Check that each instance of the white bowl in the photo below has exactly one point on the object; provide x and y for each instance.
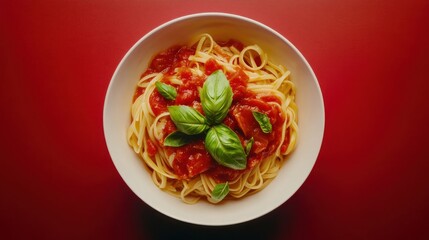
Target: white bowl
(221, 26)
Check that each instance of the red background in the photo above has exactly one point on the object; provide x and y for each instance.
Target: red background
(370, 180)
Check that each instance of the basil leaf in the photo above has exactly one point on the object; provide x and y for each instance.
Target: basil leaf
(167, 91)
(225, 147)
(177, 139)
(220, 191)
(263, 120)
(216, 97)
(188, 120)
(249, 145)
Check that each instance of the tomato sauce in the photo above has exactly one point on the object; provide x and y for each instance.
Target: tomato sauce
(193, 159)
(211, 65)
(238, 83)
(151, 148)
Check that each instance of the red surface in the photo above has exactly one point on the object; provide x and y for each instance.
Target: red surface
(371, 177)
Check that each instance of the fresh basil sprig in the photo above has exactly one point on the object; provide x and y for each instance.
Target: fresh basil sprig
(177, 139)
(187, 119)
(221, 142)
(225, 147)
(167, 91)
(216, 97)
(263, 120)
(220, 191)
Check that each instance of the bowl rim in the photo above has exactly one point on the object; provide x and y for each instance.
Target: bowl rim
(230, 16)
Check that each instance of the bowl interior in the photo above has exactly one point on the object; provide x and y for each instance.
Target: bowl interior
(222, 27)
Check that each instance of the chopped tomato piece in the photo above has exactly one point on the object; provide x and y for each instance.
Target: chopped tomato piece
(245, 120)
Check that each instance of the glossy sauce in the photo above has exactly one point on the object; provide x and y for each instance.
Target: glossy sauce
(193, 159)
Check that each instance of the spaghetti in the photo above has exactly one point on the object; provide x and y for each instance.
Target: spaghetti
(189, 171)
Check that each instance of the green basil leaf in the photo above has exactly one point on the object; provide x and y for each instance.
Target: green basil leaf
(167, 91)
(188, 120)
(216, 97)
(249, 145)
(225, 147)
(220, 191)
(177, 139)
(264, 121)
